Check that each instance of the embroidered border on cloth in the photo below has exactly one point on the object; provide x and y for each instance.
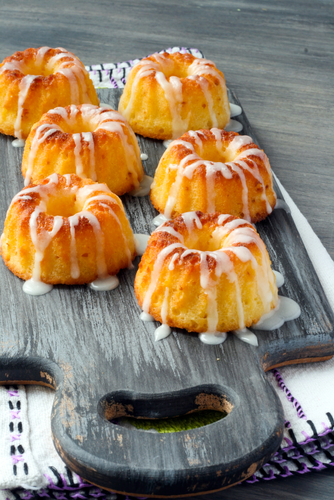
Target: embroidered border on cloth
(113, 75)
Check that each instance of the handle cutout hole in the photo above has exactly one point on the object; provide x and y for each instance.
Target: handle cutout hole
(168, 412)
(172, 424)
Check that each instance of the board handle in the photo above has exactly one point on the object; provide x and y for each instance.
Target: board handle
(205, 459)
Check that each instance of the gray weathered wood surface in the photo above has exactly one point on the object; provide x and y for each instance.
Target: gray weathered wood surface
(82, 343)
(277, 56)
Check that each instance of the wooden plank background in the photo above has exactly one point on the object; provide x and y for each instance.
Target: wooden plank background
(277, 57)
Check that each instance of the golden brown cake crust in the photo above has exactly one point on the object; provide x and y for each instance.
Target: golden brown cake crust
(75, 228)
(36, 80)
(167, 94)
(206, 272)
(214, 171)
(94, 142)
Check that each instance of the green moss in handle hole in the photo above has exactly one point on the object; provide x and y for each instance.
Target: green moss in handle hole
(175, 424)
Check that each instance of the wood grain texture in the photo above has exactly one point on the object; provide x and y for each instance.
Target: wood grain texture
(277, 56)
(82, 343)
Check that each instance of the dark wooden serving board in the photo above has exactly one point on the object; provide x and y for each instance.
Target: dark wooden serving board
(103, 362)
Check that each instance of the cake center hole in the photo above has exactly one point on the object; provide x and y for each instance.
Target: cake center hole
(77, 126)
(214, 153)
(205, 240)
(35, 69)
(63, 204)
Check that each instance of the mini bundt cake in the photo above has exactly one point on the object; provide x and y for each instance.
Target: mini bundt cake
(92, 142)
(167, 94)
(36, 80)
(206, 273)
(214, 171)
(66, 230)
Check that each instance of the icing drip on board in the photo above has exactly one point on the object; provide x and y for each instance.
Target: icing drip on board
(279, 279)
(102, 285)
(32, 287)
(18, 143)
(246, 336)
(141, 242)
(212, 338)
(286, 310)
(162, 332)
(235, 110)
(159, 219)
(281, 204)
(233, 126)
(146, 317)
(143, 188)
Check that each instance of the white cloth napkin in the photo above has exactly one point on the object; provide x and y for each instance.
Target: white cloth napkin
(29, 461)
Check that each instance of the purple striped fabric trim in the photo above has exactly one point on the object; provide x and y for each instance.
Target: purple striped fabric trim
(290, 397)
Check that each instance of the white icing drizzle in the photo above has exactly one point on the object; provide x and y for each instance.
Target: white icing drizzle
(159, 219)
(32, 287)
(41, 238)
(246, 336)
(18, 143)
(75, 270)
(146, 317)
(171, 265)
(164, 307)
(88, 138)
(143, 156)
(235, 110)
(191, 220)
(112, 121)
(167, 142)
(41, 133)
(101, 119)
(101, 198)
(233, 126)
(204, 84)
(283, 205)
(212, 338)
(40, 54)
(173, 87)
(25, 85)
(196, 137)
(202, 67)
(141, 242)
(279, 279)
(235, 237)
(162, 332)
(286, 310)
(144, 187)
(173, 94)
(190, 162)
(103, 285)
(71, 68)
(170, 230)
